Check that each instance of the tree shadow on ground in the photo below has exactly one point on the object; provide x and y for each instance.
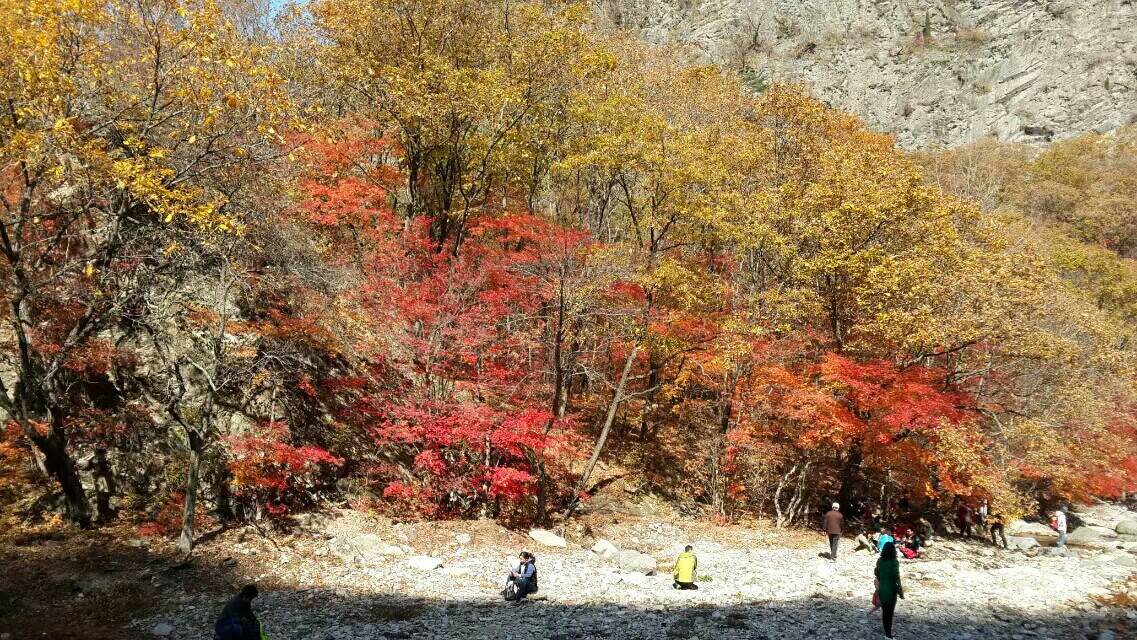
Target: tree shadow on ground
(126, 590)
(337, 615)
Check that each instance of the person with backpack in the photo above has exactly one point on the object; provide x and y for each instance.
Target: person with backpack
(523, 581)
(1058, 522)
(237, 620)
(685, 568)
(833, 525)
(888, 587)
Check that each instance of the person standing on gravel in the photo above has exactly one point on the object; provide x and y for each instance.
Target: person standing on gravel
(888, 585)
(996, 521)
(833, 525)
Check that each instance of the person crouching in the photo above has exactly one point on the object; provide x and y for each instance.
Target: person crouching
(525, 577)
(685, 568)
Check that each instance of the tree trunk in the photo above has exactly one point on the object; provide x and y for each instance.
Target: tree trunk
(60, 465)
(104, 487)
(185, 541)
(849, 474)
(617, 398)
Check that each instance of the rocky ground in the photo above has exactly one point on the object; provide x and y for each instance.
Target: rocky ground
(350, 577)
(347, 576)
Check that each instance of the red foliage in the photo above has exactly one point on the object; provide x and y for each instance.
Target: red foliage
(273, 473)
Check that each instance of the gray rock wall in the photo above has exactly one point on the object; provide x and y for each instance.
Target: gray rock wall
(1017, 70)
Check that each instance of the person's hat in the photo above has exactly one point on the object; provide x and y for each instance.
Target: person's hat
(836, 506)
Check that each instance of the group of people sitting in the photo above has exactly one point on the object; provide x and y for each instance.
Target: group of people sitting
(907, 540)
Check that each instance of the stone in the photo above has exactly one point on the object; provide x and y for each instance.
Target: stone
(1057, 552)
(455, 572)
(366, 548)
(1092, 536)
(424, 563)
(1107, 635)
(605, 549)
(547, 538)
(1032, 529)
(629, 560)
(462, 538)
(162, 630)
(1126, 527)
(1021, 542)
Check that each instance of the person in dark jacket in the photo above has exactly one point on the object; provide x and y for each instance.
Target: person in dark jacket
(833, 525)
(525, 576)
(888, 585)
(237, 620)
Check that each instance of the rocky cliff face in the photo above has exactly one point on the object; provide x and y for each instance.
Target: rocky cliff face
(930, 71)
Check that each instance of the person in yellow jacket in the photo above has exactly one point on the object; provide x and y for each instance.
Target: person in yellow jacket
(685, 567)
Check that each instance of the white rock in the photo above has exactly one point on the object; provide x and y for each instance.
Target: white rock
(604, 549)
(455, 572)
(629, 560)
(424, 563)
(547, 538)
(162, 630)
(462, 538)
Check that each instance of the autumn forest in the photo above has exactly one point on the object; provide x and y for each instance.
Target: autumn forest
(467, 258)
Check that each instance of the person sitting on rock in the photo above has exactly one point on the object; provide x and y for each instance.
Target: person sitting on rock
(237, 620)
(525, 577)
(866, 539)
(909, 545)
(685, 568)
(884, 538)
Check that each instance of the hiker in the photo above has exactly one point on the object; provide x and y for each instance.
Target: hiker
(525, 578)
(966, 517)
(996, 521)
(685, 568)
(237, 621)
(833, 524)
(884, 538)
(1059, 524)
(888, 585)
(865, 540)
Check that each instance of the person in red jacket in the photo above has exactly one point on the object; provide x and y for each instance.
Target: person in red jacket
(833, 525)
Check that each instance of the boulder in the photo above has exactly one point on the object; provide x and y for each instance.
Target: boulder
(365, 548)
(424, 563)
(1126, 527)
(1032, 529)
(162, 630)
(1057, 552)
(462, 538)
(629, 560)
(1093, 536)
(605, 549)
(547, 538)
(1022, 542)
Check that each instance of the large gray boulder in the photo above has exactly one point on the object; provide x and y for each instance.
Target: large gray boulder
(1094, 537)
(1022, 542)
(362, 549)
(547, 538)
(1126, 527)
(1032, 529)
(629, 560)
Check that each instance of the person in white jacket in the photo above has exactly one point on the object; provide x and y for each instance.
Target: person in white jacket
(1060, 525)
